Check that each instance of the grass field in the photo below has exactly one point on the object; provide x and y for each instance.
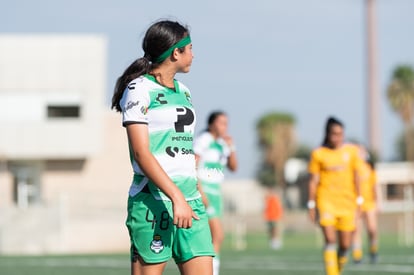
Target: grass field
(301, 254)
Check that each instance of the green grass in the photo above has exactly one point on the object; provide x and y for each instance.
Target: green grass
(301, 254)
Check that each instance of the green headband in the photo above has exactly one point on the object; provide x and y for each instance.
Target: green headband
(182, 43)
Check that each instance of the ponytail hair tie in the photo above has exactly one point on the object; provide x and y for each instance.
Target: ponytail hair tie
(147, 58)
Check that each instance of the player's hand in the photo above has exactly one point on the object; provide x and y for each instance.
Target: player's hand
(312, 215)
(183, 214)
(228, 139)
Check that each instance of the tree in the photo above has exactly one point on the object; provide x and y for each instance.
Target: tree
(303, 151)
(277, 141)
(401, 145)
(400, 95)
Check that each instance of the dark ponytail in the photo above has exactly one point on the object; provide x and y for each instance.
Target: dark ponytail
(138, 67)
(158, 38)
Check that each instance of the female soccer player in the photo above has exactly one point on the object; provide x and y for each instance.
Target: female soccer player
(166, 215)
(369, 211)
(214, 150)
(334, 193)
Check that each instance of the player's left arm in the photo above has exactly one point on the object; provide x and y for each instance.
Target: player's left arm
(232, 158)
(357, 168)
(375, 190)
(374, 186)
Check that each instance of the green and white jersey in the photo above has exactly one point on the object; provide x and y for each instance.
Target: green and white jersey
(213, 155)
(171, 119)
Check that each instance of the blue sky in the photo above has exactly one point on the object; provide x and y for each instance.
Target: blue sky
(306, 57)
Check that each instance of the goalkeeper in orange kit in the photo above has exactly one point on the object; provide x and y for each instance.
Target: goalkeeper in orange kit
(273, 212)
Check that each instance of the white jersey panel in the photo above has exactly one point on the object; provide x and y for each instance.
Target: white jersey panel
(135, 101)
(176, 168)
(171, 120)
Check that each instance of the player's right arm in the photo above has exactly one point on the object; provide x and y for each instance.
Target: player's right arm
(139, 139)
(314, 170)
(374, 189)
(313, 183)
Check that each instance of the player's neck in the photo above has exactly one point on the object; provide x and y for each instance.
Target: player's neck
(215, 135)
(164, 77)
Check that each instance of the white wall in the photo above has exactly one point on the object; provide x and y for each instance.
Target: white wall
(38, 70)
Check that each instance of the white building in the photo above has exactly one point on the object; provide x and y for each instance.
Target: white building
(396, 197)
(56, 147)
(52, 94)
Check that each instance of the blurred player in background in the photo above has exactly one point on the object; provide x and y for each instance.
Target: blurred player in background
(334, 193)
(214, 150)
(273, 212)
(368, 214)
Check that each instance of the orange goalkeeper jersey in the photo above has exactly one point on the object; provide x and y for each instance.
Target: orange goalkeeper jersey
(336, 169)
(273, 208)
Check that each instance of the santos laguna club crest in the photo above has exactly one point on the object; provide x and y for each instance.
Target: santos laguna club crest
(156, 244)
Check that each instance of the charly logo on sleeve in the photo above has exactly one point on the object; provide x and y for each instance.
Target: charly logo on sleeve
(131, 86)
(157, 246)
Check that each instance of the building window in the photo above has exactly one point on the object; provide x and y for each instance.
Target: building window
(395, 191)
(63, 111)
(26, 184)
(68, 165)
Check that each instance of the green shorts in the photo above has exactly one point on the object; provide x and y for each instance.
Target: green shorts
(154, 237)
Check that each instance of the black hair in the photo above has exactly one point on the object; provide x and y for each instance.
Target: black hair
(331, 121)
(371, 163)
(213, 116)
(159, 37)
(370, 160)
